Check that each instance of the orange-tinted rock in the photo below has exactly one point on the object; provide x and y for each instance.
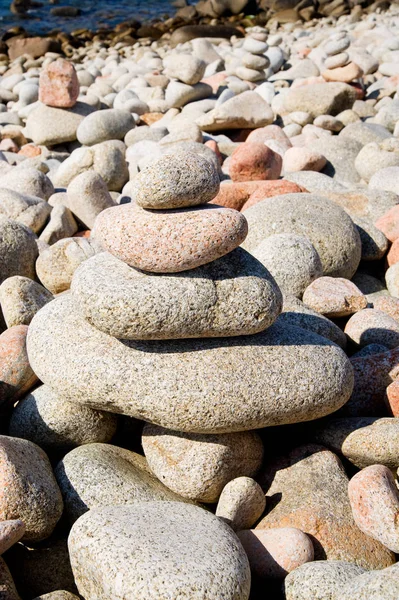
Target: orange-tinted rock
(34, 46)
(373, 374)
(83, 234)
(308, 489)
(253, 161)
(269, 132)
(150, 118)
(30, 150)
(59, 85)
(393, 254)
(392, 398)
(16, 375)
(334, 297)
(389, 223)
(388, 305)
(213, 146)
(344, 74)
(216, 80)
(169, 241)
(374, 499)
(241, 195)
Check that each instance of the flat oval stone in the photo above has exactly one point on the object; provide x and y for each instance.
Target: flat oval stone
(176, 180)
(158, 550)
(281, 375)
(234, 295)
(169, 241)
(326, 225)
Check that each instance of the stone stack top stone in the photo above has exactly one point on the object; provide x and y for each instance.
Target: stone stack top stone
(177, 180)
(59, 85)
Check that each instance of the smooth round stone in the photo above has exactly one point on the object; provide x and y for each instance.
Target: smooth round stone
(57, 264)
(184, 67)
(10, 533)
(58, 595)
(345, 74)
(176, 180)
(169, 241)
(337, 60)
(372, 326)
(254, 161)
(382, 584)
(16, 375)
(326, 225)
(103, 125)
(29, 491)
(334, 297)
(28, 181)
(274, 553)
(197, 466)
(297, 314)
(392, 280)
(336, 46)
(302, 159)
(158, 549)
(241, 503)
(49, 126)
(28, 210)
(374, 242)
(291, 259)
(328, 123)
(87, 196)
(55, 425)
(374, 499)
(208, 385)
(21, 298)
(364, 441)
(388, 305)
(129, 304)
(96, 475)
(18, 249)
(320, 580)
(59, 85)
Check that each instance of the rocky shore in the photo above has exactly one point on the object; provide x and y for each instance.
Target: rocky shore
(199, 325)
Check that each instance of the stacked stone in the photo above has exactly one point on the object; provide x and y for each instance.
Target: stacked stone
(174, 324)
(338, 66)
(253, 61)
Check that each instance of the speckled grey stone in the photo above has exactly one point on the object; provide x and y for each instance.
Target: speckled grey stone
(199, 466)
(103, 125)
(247, 110)
(374, 242)
(234, 295)
(320, 99)
(314, 182)
(372, 326)
(241, 503)
(21, 298)
(61, 225)
(88, 195)
(102, 475)
(55, 425)
(392, 280)
(159, 550)
(28, 181)
(214, 385)
(341, 154)
(291, 259)
(56, 265)
(375, 585)
(184, 67)
(18, 249)
(58, 595)
(370, 286)
(376, 156)
(369, 350)
(308, 489)
(196, 148)
(326, 225)
(296, 314)
(8, 590)
(362, 440)
(48, 125)
(28, 489)
(28, 210)
(320, 580)
(10, 533)
(175, 181)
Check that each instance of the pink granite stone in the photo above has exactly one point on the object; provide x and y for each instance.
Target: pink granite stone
(374, 500)
(10, 533)
(253, 161)
(59, 85)
(169, 241)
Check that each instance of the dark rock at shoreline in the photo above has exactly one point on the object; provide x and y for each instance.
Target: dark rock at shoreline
(189, 32)
(35, 46)
(65, 11)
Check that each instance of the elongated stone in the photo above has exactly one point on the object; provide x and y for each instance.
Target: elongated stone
(282, 375)
(169, 241)
(234, 295)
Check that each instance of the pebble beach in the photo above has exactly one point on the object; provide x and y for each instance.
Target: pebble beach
(199, 306)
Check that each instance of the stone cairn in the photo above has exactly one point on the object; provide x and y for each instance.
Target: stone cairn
(174, 324)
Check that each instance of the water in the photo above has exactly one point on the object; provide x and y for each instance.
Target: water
(95, 14)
